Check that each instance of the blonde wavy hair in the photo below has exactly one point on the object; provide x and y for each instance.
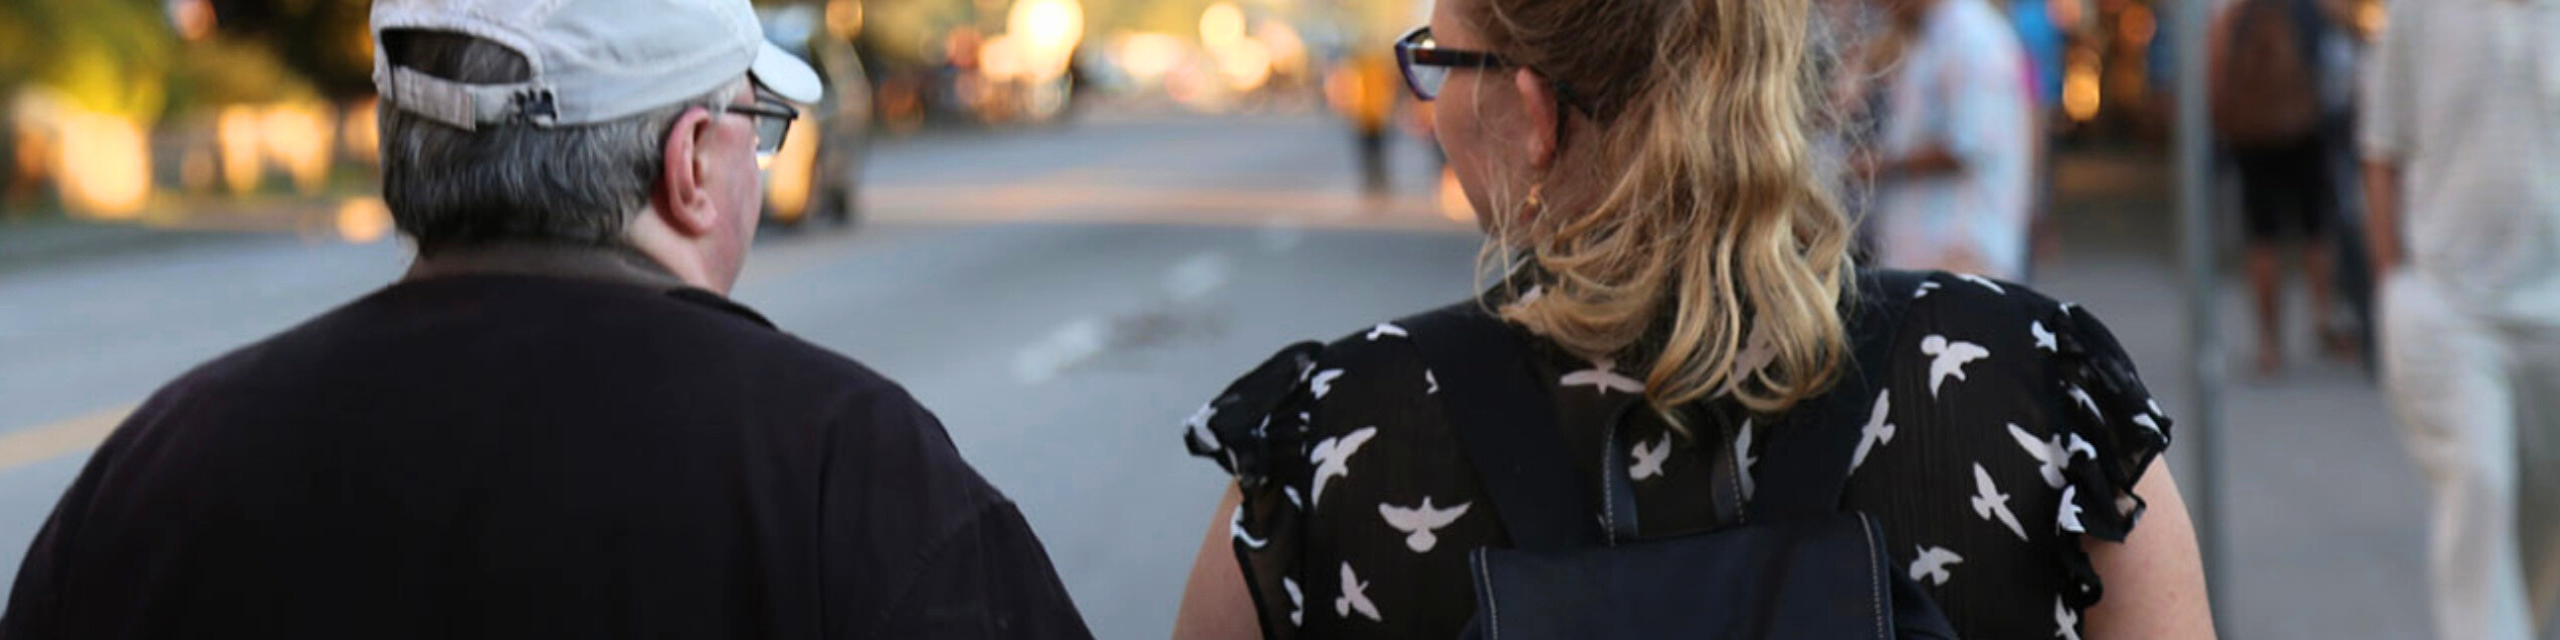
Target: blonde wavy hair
(1707, 195)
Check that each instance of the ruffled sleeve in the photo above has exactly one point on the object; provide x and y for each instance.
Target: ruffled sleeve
(2116, 432)
(1237, 428)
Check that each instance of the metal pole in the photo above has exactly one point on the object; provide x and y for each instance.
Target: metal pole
(2203, 420)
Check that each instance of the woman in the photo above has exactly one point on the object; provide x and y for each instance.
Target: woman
(1645, 166)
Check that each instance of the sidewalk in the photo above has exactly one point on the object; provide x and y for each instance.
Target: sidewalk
(47, 240)
(2323, 507)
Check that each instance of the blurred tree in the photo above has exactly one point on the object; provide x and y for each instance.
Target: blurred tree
(105, 56)
(110, 56)
(326, 41)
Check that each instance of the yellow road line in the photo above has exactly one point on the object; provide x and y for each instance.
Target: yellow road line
(46, 442)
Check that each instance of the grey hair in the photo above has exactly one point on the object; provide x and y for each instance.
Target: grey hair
(576, 185)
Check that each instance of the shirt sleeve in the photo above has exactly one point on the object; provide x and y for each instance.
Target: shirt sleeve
(2107, 410)
(916, 544)
(2384, 127)
(990, 579)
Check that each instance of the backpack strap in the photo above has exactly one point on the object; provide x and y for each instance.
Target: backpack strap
(1507, 422)
(1807, 464)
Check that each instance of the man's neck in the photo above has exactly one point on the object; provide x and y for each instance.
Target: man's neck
(621, 265)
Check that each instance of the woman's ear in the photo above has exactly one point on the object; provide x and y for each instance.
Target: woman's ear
(1538, 112)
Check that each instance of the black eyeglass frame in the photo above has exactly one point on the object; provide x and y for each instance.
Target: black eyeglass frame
(1417, 48)
(771, 119)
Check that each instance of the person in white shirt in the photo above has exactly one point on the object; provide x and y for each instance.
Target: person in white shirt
(2461, 139)
(1956, 157)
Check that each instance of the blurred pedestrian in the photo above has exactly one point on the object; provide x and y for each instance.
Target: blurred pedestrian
(2461, 137)
(556, 425)
(1678, 287)
(1363, 90)
(2267, 70)
(1956, 157)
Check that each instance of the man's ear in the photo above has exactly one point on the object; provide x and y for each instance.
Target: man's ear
(682, 199)
(1538, 113)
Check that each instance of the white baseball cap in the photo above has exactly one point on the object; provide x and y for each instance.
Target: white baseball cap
(592, 60)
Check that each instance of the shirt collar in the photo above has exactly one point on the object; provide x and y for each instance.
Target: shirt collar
(606, 264)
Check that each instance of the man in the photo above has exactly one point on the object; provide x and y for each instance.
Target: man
(2269, 91)
(2461, 137)
(556, 425)
(1956, 154)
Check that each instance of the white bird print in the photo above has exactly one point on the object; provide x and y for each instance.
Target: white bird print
(2068, 620)
(2081, 396)
(1877, 431)
(1323, 382)
(1989, 502)
(1429, 379)
(1925, 288)
(1419, 522)
(1649, 459)
(2147, 423)
(1354, 597)
(1603, 376)
(1332, 457)
(1297, 601)
(2050, 454)
(1985, 282)
(1932, 565)
(1292, 492)
(2044, 338)
(1743, 460)
(1198, 423)
(1535, 292)
(1386, 329)
(2155, 407)
(2070, 518)
(1236, 526)
(1951, 357)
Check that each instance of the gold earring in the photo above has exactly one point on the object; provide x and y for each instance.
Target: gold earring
(1537, 197)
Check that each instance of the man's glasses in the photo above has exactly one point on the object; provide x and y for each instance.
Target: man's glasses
(1426, 66)
(772, 119)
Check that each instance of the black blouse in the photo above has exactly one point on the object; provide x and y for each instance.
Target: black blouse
(2010, 426)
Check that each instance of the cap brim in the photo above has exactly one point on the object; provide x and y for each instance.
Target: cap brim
(786, 75)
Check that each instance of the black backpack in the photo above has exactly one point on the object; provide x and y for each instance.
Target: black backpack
(1797, 567)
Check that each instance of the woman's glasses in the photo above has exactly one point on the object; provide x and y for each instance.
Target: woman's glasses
(1426, 66)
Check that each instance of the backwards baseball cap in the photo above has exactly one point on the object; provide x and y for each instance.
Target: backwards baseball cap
(592, 60)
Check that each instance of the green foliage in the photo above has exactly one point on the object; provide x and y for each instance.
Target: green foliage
(112, 56)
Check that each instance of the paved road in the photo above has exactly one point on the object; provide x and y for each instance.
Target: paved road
(1064, 298)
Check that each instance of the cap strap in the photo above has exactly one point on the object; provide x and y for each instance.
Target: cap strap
(466, 106)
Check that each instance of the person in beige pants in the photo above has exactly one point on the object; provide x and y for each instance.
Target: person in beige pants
(2461, 136)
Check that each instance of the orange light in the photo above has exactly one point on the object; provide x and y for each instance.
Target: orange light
(1246, 64)
(296, 136)
(2138, 26)
(1221, 25)
(792, 171)
(106, 164)
(364, 220)
(1148, 56)
(236, 132)
(361, 132)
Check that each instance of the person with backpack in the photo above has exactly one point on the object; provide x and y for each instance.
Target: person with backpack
(1680, 410)
(2267, 85)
